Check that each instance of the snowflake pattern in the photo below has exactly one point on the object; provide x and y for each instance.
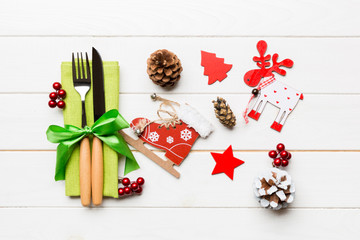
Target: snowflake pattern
(154, 136)
(185, 134)
(170, 139)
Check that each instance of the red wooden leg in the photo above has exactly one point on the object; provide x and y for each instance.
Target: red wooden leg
(276, 126)
(254, 115)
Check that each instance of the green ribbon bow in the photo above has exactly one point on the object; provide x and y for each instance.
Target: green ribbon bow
(105, 128)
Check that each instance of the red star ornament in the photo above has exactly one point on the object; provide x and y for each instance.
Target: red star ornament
(226, 162)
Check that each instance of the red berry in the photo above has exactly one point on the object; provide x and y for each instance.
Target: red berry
(62, 93)
(61, 104)
(140, 181)
(284, 163)
(284, 154)
(277, 162)
(134, 186)
(53, 96)
(289, 156)
(139, 190)
(280, 147)
(52, 103)
(127, 190)
(273, 154)
(57, 86)
(121, 191)
(125, 181)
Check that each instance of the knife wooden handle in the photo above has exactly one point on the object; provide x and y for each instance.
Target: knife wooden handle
(85, 172)
(97, 171)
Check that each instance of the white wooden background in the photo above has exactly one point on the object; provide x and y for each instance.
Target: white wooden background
(323, 133)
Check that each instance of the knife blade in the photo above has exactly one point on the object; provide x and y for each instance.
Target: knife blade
(98, 85)
(99, 110)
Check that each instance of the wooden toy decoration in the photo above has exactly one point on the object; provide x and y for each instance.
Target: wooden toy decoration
(214, 67)
(269, 89)
(175, 134)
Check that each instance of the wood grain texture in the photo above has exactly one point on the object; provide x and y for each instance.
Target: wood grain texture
(321, 37)
(97, 171)
(85, 172)
(323, 180)
(190, 18)
(321, 65)
(160, 223)
(319, 122)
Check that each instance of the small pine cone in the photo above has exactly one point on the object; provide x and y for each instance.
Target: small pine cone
(164, 68)
(223, 112)
(274, 189)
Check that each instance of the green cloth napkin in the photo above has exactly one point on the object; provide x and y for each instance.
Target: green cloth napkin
(72, 115)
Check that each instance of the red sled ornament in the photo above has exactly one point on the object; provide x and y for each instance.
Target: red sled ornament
(175, 134)
(215, 68)
(269, 89)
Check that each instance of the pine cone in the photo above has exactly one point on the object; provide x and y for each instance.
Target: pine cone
(224, 113)
(164, 68)
(274, 189)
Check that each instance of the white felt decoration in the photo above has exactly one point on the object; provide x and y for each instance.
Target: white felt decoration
(195, 120)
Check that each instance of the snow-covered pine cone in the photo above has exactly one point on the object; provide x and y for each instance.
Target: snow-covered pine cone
(274, 189)
(164, 68)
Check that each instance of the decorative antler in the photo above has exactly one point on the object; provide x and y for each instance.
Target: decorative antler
(253, 77)
(262, 61)
(275, 67)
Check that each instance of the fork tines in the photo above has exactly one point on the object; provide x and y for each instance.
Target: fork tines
(79, 77)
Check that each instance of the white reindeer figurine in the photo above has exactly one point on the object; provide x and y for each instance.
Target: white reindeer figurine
(271, 90)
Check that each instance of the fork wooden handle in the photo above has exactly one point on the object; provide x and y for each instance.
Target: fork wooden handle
(97, 171)
(85, 172)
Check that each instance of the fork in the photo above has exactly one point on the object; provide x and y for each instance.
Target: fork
(82, 86)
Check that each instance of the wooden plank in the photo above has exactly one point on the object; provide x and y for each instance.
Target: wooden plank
(163, 223)
(321, 65)
(190, 18)
(323, 180)
(319, 122)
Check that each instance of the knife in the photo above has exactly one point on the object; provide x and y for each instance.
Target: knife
(99, 110)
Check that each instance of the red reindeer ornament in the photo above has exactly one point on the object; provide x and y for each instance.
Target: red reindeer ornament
(269, 89)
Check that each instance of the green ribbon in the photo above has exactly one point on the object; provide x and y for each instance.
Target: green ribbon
(105, 128)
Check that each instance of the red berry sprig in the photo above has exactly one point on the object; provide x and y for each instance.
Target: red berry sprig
(57, 97)
(280, 155)
(130, 187)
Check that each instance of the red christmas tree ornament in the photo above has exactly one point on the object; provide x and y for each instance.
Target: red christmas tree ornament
(268, 89)
(226, 162)
(214, 67)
